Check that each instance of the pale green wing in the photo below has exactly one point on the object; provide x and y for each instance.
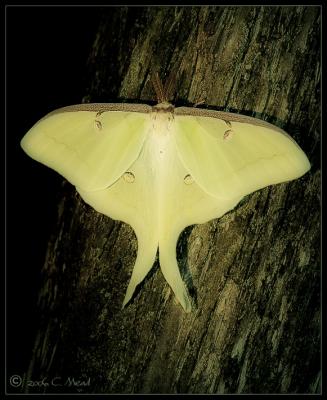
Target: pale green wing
(91, 145)
(231, 155)
(161, 173)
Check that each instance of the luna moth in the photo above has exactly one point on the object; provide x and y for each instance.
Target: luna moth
(161, 168)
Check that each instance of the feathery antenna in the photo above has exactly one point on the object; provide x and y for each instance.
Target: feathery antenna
(158, 87)
(163, 92)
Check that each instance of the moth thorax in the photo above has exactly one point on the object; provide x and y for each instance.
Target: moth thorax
(162, 119)
(164, 107)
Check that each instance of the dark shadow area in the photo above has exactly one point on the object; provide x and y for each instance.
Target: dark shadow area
(46, 68)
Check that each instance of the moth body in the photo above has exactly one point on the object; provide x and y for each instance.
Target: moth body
(160, 169)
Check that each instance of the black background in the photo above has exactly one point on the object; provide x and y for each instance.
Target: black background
(46, 67)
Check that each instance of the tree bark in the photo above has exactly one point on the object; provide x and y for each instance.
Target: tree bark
(254, 273)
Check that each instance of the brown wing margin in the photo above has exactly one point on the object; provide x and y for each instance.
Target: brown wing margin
(226, 116)
(103, 107)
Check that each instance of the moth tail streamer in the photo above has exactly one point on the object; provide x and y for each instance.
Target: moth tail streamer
(170, 270)
(146, 255)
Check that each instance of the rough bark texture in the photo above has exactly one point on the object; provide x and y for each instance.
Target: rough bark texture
(255, 273)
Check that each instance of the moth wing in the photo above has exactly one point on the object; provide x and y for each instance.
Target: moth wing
(234, 158)
(91, 149)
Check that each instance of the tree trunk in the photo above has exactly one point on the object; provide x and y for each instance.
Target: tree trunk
(254, 273)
